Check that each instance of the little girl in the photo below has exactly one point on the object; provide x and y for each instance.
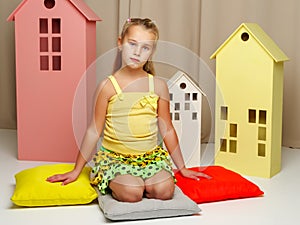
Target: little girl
(132, 106)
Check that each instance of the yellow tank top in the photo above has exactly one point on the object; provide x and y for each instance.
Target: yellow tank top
(131, 120)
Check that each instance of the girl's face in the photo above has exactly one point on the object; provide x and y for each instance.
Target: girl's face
(137, 47)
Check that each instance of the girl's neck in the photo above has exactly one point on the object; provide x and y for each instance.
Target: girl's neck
(131, 73)
(130, 79)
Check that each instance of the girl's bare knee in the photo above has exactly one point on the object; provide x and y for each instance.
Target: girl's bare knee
(127, 188)
(129, 194)
(162, 191)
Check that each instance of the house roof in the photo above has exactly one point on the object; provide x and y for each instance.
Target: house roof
(80, 5)
(262, 38)
(173, 80)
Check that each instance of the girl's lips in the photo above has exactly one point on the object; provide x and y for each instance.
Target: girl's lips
(135, 60)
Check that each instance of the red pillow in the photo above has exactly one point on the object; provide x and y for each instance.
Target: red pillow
(224, 184)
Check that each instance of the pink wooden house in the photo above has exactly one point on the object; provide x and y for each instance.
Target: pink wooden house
(55, 44)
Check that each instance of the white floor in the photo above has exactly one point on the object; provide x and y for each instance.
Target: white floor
(280, 205)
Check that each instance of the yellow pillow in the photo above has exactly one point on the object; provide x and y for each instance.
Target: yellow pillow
(32, 189)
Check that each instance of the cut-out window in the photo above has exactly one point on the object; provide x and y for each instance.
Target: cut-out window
(233, 130)
(223, 145)
(182, 85)
(262, 116)
(194, 116)
(56, 26)
(252, 116)
(49, 4)
(44, 62)
(43, 44)
(232, 146)
(195, 96)
(245, 36)
(177, 106)
(171, 97)
(262, 133)
(43, 26)
(187, 96)
(261, 150)
(224, 112)
(50, 42)
(176, 116)
(56, 44)
(186, 106)
(56, 61)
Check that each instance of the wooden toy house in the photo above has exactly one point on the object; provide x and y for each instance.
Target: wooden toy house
(185, 111)
(249, 73)
(55, 42)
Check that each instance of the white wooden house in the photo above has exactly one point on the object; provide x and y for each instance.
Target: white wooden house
(185, 111)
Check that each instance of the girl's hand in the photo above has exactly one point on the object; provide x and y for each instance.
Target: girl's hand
(193, 174)
(65, 178)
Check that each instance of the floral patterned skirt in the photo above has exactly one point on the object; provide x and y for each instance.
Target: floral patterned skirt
(109, 164)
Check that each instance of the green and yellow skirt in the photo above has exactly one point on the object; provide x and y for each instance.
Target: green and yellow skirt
(109, 164)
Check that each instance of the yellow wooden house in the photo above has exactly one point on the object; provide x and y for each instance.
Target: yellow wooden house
(249, 75)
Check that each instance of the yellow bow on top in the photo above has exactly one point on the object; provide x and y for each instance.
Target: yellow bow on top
(149, 99)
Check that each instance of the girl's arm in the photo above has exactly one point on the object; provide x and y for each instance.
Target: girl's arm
(91, 137)
(168, 132)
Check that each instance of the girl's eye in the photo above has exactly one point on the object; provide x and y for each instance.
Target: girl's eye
(146, 48)
(132, 44)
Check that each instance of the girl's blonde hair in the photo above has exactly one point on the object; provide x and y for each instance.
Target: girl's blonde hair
(149, 25)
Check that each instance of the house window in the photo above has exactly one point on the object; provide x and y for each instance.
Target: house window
(50, 43)
(56, 62)
(262, 116)
(187, 96)
(262, 133)
(55, 26)
(261, 150)
(176, 116)
(223, 145)
(171, 97)
(233, 130)
(44, 62)
(187, 106)
(232, 146)
(177, 106)
(56, 44)
(252, 116)
(195, 96)
(43, 26)
(43, 44)
(224, 112)
(194, 116)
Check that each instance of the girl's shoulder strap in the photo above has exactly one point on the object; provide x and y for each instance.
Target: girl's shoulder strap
(115, 84)
(151, 83)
